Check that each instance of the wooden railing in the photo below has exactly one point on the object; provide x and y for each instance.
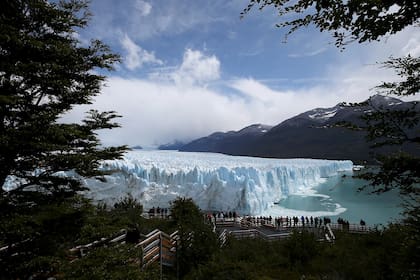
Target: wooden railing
(352, 228)
(254, 233)
(159, 246)
(223, 237)
(82, 250)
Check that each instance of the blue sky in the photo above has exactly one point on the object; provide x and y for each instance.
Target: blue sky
(192, 67)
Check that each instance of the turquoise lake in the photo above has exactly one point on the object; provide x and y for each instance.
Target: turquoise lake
(337, 197)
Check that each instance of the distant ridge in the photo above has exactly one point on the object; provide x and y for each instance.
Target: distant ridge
(307, 135)
(137, 147)
(231, 142)
(172, 146)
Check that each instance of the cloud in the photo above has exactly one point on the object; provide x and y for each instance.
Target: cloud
(413, 46)
(136, 56)
(191, 98)
(155, 112)
(197, 68)
(256, 90)
(143, 7)
(145, 21)
(309, 53)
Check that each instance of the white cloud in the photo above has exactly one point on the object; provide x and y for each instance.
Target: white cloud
(148, 19)
(256, 90)
(309, 53)
(143, 7)
(413, 46)
(197, 68)
(155, 112)
(136, 56)
(177, 103)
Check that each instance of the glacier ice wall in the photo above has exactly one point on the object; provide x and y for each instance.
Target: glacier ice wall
(214, 181)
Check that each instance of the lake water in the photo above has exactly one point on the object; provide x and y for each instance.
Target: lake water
(337, 197)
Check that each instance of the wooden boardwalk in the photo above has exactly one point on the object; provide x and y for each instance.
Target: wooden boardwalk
(242, 228)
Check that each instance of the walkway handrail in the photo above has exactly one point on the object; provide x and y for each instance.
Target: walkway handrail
(252, 233)
(159, 246)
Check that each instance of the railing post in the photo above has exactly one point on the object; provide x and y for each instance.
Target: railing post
(177, 262)
(142, 257)
(160, 255)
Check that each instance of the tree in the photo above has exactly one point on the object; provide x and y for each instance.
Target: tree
(348, 21)
(365, 21)
(197, 242)
(44, 72)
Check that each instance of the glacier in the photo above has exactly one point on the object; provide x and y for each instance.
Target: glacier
(219, 182)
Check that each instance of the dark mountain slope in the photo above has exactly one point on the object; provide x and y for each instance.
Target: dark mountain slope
(232, 142)
(308, 135)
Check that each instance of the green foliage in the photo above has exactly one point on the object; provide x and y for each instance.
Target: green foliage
(365, 21)
(44, 72)
(386, 127)
(407, 67)
(185, 213)
(301, 247)
(197, 242)
(39, 235)
(348, 21)
(120, 262)
(130, 208)
(377, 255)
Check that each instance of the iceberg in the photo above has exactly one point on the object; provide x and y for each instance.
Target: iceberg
(220, 182)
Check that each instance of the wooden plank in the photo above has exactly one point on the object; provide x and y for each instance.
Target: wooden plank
(151, 253)
(152, 233)
(118, 238)
(150, 239)
(151, 245)
(154, 259)
(166, 252)
(167, 243)
(165, 235)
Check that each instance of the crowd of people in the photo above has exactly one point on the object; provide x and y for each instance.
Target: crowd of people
(158, 212)
(295, 221)
(221, 215)
(276, 222)
(283, 221)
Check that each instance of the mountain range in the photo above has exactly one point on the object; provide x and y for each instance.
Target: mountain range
(308, 135)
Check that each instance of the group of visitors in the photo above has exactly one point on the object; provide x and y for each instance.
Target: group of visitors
(158, 212)
(276, 222)
(223, 215)
(302, 221)
(344, 223)
(280, 222)
(257, 221)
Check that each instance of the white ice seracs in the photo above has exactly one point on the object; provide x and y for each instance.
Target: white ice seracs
(214, 181)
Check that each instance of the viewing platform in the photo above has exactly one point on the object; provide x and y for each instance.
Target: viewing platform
(251, 227)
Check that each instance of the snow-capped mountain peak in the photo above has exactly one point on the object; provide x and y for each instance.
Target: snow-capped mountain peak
(322, 114)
